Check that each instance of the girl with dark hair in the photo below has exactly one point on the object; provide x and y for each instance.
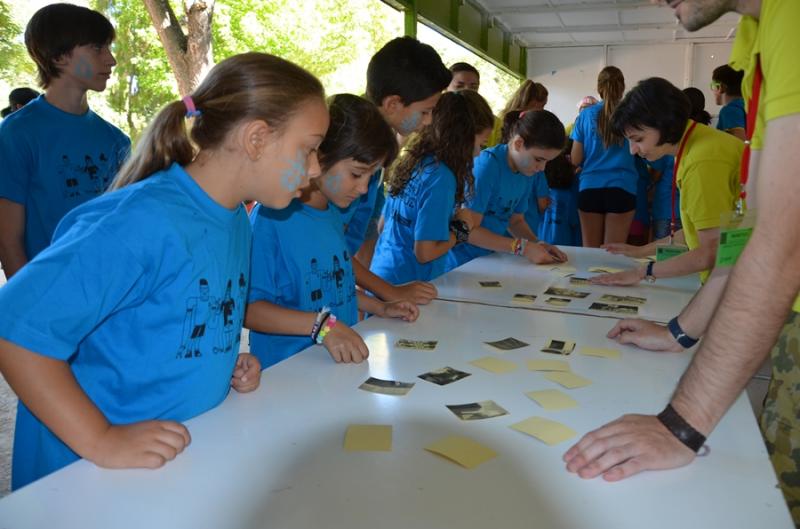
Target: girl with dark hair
(302, 282)
(108, 359)
(607, 198)
(426, 185)
(499, 198)
(697, 101)
(726, 85)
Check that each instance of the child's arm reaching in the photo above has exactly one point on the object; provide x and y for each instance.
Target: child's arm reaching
(49, 389)
(404, 309)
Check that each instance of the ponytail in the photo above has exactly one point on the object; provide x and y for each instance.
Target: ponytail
(611, 87)
(537, 128)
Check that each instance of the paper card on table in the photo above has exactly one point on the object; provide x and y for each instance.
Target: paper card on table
(569, 379)
(425, 345)
(559, 347)
(599, 351)
(553, 399)
(507, 344)
(605, 270)
(623, 299)
(631, 310)
(476, 411)
(495, 365)
(462, 450)
(566, 293)
(386, 387)
(524, 298)
(368, 438)
(490, 284)
(548, 365)
(550, 432)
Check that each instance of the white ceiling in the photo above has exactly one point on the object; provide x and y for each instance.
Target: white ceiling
(548, 23)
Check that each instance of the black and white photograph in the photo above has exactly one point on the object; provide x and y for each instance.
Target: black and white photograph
(490, 284)
(558, 302)
(524, 298)
(566, 293)
(617, 309)
(444, 376)
(507, 344)
(559, 347)
(386, 387)
(475, 411)
(425, 345)
(623, 299)
(579, 280)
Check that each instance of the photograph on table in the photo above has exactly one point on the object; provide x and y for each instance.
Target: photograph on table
(623, 299)
(507, 344)
(444, 376)
(426, 345)
(524, 298)
(628, 310)
(490, 284)
(559, 347)
(386, 387)
(566, 293)
(558, 302)
(475, 411)
(575, 280)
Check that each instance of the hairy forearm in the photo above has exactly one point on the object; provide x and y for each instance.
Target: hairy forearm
(746, 325)
(263, 316)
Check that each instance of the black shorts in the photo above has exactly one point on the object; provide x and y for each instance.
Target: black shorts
(606, 200)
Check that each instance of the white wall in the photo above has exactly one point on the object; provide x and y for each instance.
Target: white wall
(570, 73)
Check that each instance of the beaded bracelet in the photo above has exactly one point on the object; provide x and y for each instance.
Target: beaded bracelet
(330, 323)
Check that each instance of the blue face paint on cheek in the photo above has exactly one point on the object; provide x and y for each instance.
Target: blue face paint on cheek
(410, 123)
(83, 68)
(333, 183)
(292, 176)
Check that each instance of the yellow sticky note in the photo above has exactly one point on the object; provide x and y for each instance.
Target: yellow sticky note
(368, 438)
(568, 380)
(553, 400)
(548, 365)
(495, 365)
(462, 450)
(599, 351)
(550, 432)
(605, 270)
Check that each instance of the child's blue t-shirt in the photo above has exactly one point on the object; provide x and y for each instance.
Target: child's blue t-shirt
(300, 261)
(662, 196)
(561, 223)
(732, 115)
(422, 212)
(361, 211)
(539, 190)
(602, 167)
(143, 293)
(52, 161)
(499, 193)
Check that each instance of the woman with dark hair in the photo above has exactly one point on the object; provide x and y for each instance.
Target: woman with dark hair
(608, 176)
(726, 85)
(697, 102)
(654, 117)
(500, 196)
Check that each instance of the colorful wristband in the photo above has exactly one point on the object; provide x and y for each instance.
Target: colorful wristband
(322, 315)
(518, 246)
(330, 323)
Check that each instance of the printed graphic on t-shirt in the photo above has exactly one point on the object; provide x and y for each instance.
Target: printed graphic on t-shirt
(336, 281)
(86, 176)
(212, 324)
(499, 208)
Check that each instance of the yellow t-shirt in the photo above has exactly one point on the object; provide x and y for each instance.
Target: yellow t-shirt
(770, 37)
(497, 130)
(708, 179)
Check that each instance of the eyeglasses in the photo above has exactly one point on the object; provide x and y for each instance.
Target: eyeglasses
(716, 85)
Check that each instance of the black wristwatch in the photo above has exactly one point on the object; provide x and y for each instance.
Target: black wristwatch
(648, 274)
(460, 229)
(680, 336)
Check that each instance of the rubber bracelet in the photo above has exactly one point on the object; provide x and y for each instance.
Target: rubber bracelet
(330, 323)
(322, 315)
(681, 429)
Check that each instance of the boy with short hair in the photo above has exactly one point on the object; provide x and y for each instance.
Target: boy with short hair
(405, 79)
(55, 153)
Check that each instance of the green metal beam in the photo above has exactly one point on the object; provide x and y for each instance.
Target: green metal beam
(446, 17)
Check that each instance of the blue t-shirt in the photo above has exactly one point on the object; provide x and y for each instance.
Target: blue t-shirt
(539, 190)
(499, 193)
(602, 167)
(300, 261)
(732, 115)
(422, 212)
(358, 215)
(52, 161)
(662, 197)
(642, 212)
(143, 292)
(561, 223)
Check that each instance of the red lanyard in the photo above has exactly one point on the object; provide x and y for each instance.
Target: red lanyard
(752, 113)
(675, 177)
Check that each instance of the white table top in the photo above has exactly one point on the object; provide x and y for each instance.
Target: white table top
(274, 458)
(665, 298)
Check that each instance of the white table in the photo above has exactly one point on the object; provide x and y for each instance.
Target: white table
(665, 298)
(274, 458)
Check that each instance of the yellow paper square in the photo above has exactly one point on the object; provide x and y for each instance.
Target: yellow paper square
(368, 438)
(550, 432)
(599, 351)
(568, 380)
(495, 365)
(548, 365)
(462, 450)
(553, 399)
(605, 270)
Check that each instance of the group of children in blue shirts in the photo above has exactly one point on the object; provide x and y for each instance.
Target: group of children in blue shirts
(125, 303)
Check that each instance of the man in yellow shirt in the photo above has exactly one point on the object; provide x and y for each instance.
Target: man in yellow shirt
(746, 310)
(654, 117)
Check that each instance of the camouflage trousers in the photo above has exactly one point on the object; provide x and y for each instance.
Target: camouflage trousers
(780, 420)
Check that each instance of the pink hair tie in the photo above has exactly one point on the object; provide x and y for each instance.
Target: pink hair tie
(522, 114)
(191, 111)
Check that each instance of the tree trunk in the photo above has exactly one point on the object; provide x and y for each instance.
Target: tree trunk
(190, 56)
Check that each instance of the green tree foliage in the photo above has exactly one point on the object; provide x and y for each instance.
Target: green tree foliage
(15, 66)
